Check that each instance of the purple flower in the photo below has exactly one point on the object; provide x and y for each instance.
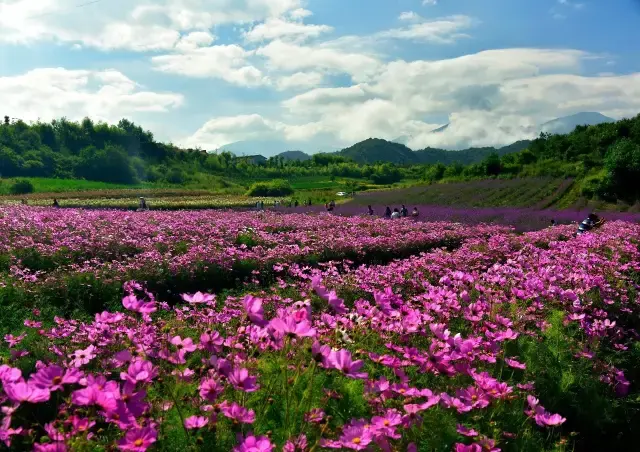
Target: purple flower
(515, 364)
(356, 436)
(255, 312)
(198, 298)
(238, 413)
(289, 327)
(82, 357)
(254, 444)
(138, 440)
(341, 360)
(53, 377)
(139, 371)
(26, 392)
(241, 380)
(131, 303)
(195, 422)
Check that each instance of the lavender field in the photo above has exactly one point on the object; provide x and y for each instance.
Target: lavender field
(264, 331)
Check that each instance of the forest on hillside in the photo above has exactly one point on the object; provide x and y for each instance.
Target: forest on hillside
(605, 158)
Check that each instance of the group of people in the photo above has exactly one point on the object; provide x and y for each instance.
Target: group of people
(593, 221)
(403, 212)
(330, 206)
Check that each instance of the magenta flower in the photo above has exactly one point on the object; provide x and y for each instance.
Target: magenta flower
(466, 431)
(315, 416)
(238, 413)
(253, 307)
(515, 364)
(241, 380)
(341, 360)
(289, 327)
(53, 377)
(198, 298)
(459, 447)
(298, 444)
(131, 303)
(14, 340)
(356, 436)
(210, 389)
(386, 425)
(138, 440)
(211, 341)
(254, 444)
(26, 392)
(82, 357)
(195, 422)
(139, 371)
(10, 374)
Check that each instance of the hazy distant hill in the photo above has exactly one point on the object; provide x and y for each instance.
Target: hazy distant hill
(295, 155)
(567, 124)
(271, 148)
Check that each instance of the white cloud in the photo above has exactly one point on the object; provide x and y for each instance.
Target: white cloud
(50, 93)
(278, 28)
(299, 80)
(430, 2)
(444, 30)
(300, 13)
(139, 25)
(291, 57)
(226, 62)
(217, 132)
(410, 16)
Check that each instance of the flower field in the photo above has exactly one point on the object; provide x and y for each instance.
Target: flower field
(261, 331)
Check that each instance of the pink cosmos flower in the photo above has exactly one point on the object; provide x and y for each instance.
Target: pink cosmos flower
(289, 327)
(238, 413)
(356, 436)
(82, 357)
(210, 389)
(132, 303)
(459, 447)
(198, 298)
(138, 439)
(211, 341)
(53, 377)
(10, 374)
(241, 380)
(315, 416)
(386, 425)
(253, 307)
(254, 444)
(26, 392)
(194, 422)
(298, 444)
(515, 364)
(14, 340)
(341, 360)
(139, 371)
(466, 431)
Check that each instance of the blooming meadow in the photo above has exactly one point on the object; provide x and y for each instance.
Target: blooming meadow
(263, 332)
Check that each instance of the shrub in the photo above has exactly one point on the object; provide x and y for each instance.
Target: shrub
(21, 187)
(273, 188)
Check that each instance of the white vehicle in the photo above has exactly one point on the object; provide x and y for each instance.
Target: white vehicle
(342, 193)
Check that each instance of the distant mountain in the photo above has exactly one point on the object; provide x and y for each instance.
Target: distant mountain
(271, 148)
(295, 155)
(567, 124)
(376, 150)
(440, 129)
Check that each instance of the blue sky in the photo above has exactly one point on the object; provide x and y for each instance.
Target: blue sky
(321, 74)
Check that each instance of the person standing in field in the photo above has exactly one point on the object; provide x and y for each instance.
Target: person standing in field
(55, 203)
(415, 213)
(396, 214)
(387, 212)
(404, 211)
(370, 211)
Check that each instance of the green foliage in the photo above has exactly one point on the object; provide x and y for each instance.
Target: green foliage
(21, 187)
(272, 188)
(623, 165)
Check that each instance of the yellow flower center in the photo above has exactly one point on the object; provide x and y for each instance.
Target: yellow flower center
(138, 442)
(356, 440)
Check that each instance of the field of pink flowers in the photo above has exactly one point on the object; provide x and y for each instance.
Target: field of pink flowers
(257, 332)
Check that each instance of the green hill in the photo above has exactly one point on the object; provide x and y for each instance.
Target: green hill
(376, 150)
